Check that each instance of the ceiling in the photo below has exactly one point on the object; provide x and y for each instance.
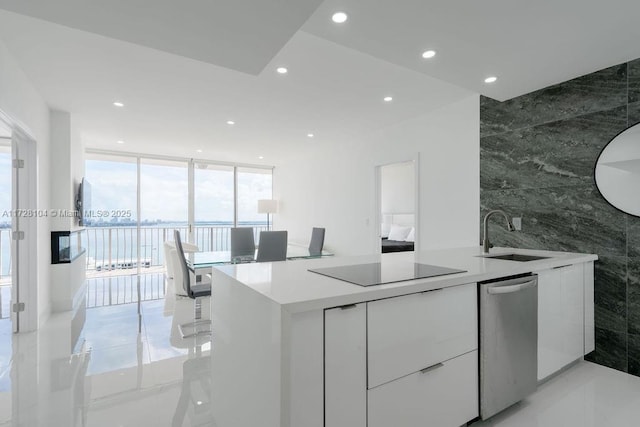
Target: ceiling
(176, 106)
(179, 88)
(242, 35)
(527, 44)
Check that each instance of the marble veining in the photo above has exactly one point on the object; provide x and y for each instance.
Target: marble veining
(610, 294)
(552, 154)
(537, 158)
(573, 218)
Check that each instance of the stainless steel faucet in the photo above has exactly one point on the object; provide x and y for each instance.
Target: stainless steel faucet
(485, 230)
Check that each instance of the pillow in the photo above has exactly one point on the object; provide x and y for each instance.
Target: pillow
(384, 229)
(411, 237)
(398, 232)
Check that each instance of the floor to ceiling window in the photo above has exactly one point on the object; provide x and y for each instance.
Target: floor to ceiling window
(137, 202)
(5, 230)
(6, 346)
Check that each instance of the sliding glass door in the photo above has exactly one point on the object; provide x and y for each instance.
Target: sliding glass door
(164, 206)
(111, 216)
(213, 203)
(253, 185)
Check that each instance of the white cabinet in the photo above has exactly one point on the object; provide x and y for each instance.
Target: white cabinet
(589, 310)
(345, 357)
(409, 333)
(443, 396)
(561, 317)
(409, 361)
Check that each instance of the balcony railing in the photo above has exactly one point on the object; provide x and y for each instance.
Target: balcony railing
(116, 248)
(119, 290)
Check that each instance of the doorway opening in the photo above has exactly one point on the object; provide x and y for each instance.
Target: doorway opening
(397, 207)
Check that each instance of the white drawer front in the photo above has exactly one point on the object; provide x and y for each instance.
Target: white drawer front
(345, 369)
(446, 396)
(406, 334)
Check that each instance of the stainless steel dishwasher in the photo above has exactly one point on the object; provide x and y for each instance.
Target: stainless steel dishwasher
(508, 342)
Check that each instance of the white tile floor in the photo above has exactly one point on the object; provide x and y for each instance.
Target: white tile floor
(131, 368)
(586, 395)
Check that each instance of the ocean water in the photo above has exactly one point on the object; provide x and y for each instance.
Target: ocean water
(107, 245)
(121, 242)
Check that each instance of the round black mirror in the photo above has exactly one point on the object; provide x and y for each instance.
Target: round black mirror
(617, 172)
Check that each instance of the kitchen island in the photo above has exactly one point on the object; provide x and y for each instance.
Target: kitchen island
(295, 348)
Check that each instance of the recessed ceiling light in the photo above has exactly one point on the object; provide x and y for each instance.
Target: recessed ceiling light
(310, 135)
(491, 79)
(387, 99)
(120, 141)
(118, 104)
(231, 122)
(260, 157)
(199, 151)
(282, 70)
(428, 54)
(339, 17)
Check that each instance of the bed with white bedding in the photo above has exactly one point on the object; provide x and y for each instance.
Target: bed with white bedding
(398, 232)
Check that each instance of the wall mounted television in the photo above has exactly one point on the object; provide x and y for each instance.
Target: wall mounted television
(83, 202)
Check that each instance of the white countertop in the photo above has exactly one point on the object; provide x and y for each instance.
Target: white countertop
(290, 284)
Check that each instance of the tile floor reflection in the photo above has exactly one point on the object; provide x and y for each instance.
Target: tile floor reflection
(125, 364)
(120, 362)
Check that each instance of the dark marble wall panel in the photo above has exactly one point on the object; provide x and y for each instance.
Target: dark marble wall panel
(633, 236)
(537, 157)
(554, 154)
(611, 349)
(634, 80)
(633, 296)
(634, 354)
(610, 293)
(634, 113)
(573, 218)
(603, 90)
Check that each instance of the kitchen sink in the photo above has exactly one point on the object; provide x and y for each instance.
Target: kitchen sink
(516, 257)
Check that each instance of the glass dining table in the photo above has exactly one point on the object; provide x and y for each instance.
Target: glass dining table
(207, 259)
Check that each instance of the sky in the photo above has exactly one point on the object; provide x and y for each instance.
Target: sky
(164, 191)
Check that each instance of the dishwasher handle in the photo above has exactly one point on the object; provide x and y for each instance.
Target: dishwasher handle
(494, 290)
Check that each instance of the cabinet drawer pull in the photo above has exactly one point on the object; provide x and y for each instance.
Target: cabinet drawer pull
(347, 307)
(562, 266)
(433, 290)
(432, 368)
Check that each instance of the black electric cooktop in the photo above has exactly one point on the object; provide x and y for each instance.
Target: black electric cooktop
(378, 274)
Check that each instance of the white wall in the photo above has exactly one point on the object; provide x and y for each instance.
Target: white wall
(332, 185)
(24, 105)
(397, 188)
(67, 170)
